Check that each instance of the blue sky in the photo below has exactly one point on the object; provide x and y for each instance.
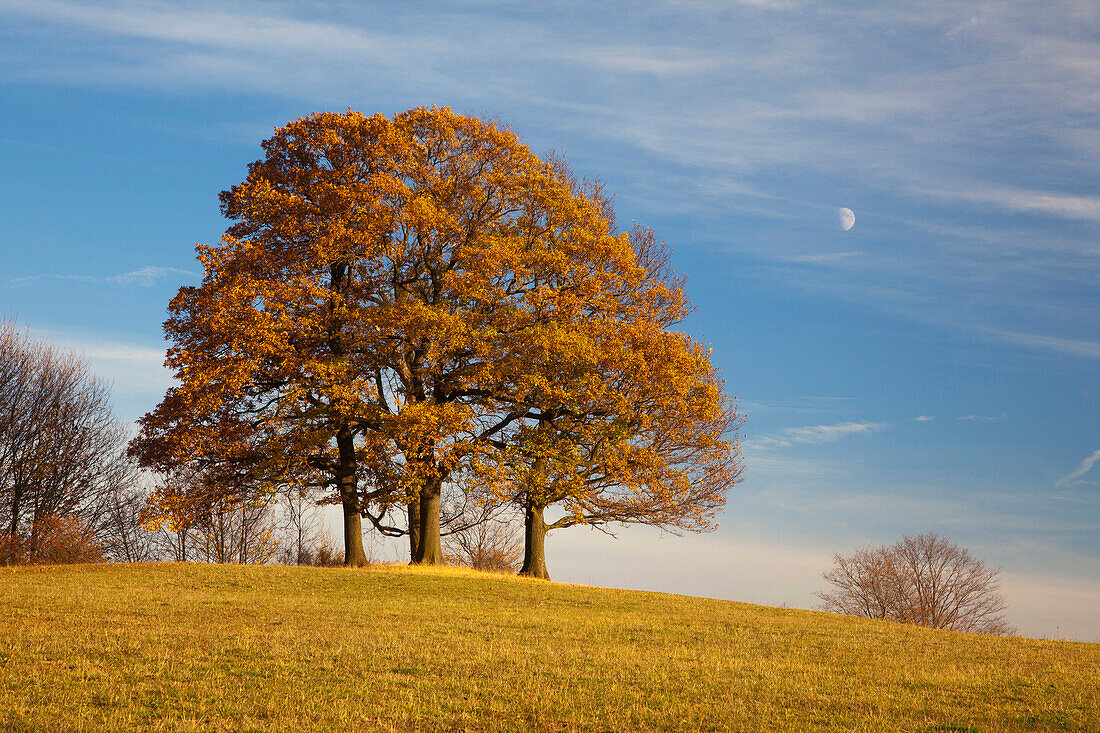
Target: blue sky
(935, 368)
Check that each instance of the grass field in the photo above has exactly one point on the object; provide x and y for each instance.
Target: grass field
(198, 647)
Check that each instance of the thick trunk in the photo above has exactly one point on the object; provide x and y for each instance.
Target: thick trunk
(414, 528)
(346, 480)
(430, 547)
(354, 556)
(534, 543)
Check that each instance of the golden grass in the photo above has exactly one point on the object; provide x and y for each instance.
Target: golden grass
(198, 647)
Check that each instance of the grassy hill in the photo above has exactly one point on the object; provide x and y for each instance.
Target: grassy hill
(197, 647)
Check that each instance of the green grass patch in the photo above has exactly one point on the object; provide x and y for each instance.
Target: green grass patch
(203, 648)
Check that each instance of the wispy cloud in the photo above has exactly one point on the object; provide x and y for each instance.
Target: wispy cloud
(1077, 347)
(635, 60)
(862, 106)
(806, 403)
(135, 371)
(980, 418)
(790, 469)
(823, 258)
(1084, 467)
(144, 277)
(241, 46)
(813, 434)
(161, 21)
(719, 5)
(1030, 202)
(923, 418)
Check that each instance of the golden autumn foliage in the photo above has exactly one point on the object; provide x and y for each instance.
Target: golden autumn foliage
(403, 304)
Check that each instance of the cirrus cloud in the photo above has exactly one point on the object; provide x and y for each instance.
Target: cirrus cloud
(144, 277)
(813, 434)
(1084, 467)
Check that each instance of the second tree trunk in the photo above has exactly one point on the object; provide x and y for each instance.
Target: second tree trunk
(430, 548)
(534, 543)
(354, 556)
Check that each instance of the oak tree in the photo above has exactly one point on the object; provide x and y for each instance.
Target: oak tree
(631, 423)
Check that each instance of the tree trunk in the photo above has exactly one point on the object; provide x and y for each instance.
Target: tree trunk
(300, 526)
(36, 531)
(13, 553)
(414, 528)
(16, 508)
(354, 556)
(430, 549)
(534, 543)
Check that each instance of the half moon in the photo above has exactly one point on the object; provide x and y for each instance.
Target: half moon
(847, 219)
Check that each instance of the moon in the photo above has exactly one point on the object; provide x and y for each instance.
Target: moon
(847, 219)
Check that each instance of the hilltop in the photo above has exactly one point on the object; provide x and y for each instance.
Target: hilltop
(200, 647)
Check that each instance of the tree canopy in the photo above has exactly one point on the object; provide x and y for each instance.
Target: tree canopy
(410, 303)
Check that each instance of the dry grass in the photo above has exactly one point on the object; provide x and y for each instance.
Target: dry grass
(195, 647)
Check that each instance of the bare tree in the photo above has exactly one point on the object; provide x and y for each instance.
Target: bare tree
(197, 522)
(123, 535)
(924, 580)
(299, 525)
(62, 452)
(494, 544)
(237, 532)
